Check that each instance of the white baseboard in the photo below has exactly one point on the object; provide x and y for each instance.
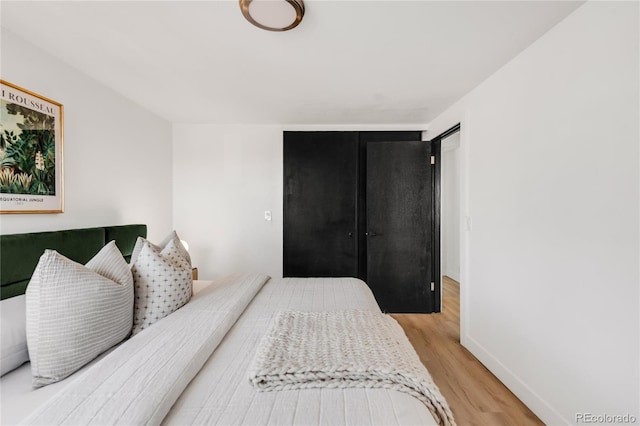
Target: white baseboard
(454, 275)
(528, 396)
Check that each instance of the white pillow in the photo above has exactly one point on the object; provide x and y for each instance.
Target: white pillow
(163, 281)
(76, 312)
(13, 334)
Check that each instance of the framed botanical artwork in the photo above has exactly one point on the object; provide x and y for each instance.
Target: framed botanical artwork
(30, 152)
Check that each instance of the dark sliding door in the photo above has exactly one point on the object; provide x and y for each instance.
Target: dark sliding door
(320, 184)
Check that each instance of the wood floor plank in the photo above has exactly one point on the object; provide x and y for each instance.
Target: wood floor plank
(476, 397)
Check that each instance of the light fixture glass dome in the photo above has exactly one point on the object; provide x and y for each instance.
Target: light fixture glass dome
(273, 15)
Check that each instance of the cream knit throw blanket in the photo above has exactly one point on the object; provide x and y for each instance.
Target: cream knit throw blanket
(343, 349)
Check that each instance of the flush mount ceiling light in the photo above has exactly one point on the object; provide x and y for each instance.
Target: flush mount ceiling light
(273, 15)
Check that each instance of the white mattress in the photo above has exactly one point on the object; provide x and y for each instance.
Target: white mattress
(221, 392)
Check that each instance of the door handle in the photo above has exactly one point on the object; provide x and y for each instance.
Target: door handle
(371, 234)
(350, 234)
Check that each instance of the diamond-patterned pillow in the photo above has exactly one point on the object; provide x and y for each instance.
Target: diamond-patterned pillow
(163, 282)
(173, 236)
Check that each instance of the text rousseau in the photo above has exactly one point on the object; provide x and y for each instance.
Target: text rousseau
(28, 102)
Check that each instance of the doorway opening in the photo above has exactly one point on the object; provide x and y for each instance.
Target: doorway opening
(448, 207)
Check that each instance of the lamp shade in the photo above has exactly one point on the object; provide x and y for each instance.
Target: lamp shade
(273, 15)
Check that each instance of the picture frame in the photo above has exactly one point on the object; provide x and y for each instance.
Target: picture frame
(31, 152)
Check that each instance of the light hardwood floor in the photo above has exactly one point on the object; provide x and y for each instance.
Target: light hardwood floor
(476, 396)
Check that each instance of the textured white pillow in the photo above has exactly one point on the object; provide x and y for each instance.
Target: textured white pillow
(76, 312)
(13, 334)
(172, 237)
(163, 281)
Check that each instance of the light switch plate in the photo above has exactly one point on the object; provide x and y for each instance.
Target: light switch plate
(267, 215)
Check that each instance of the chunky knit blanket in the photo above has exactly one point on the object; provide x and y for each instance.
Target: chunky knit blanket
(343, 349)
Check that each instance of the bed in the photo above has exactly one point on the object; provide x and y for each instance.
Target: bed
(192, 366)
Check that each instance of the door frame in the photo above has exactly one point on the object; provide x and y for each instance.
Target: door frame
(437, 213)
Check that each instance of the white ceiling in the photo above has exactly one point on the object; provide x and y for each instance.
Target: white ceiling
(349, 62)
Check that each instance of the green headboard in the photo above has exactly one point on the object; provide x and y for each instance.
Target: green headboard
(19, 253)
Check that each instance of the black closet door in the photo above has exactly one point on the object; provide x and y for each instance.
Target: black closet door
(399, 228)
(366, 138)
(320, 184)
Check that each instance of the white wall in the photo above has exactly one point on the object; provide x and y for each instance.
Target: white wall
(225, 178)
(117, 155)
(550, 265)
(450, 206)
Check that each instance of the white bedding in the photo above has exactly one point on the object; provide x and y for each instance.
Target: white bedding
(221, 393)
(18, 398)
(140, 380)
(343, 349)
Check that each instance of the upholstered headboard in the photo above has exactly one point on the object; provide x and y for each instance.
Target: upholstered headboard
(19, 253)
